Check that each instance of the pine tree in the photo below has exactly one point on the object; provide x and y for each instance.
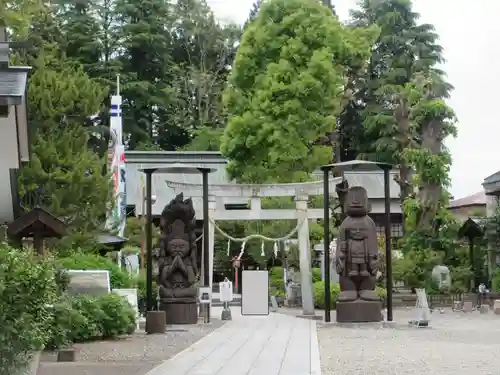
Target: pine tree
(64, 175)
(144, 31)
(80, 32)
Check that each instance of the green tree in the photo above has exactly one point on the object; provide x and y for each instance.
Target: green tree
(285, 87)
(253, 12)
(143, 31)
(203, 51)
(60, 92)
(403, 49)
(80, 32)
(64, 175)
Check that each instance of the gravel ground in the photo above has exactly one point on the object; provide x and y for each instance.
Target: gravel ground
(455, 343)
(133, 355)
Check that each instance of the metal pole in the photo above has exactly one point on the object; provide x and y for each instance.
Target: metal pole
(149, 241)
(388, 253)
(326, 240)
(143, 226)
(206, 247)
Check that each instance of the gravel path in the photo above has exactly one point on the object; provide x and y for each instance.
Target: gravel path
(134, 355)
(455, 343)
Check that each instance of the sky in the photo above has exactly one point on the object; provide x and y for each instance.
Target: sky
(469, 31)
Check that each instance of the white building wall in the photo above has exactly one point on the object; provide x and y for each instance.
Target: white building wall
(9, 158)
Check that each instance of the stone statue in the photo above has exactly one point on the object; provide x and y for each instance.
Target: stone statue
(357, 261)
(177, 267)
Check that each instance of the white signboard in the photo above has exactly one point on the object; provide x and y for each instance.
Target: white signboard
(205, 295)
(422, 311)
(226, 291)
(255, 293)
(91, 282)
(131, 296)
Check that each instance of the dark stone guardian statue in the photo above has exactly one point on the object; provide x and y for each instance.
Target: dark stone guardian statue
(177, 267)
(356, 262)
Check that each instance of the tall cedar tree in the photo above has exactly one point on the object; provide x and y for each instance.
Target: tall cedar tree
(202, 53)
(142, 28)
(285, 87)
(403, 49)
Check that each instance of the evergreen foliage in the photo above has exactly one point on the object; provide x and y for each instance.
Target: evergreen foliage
(284, 89)
(275, 95)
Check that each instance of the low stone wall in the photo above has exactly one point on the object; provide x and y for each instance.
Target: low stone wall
(445, 300)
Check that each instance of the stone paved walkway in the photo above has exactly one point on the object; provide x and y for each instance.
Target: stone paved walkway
(251, 345)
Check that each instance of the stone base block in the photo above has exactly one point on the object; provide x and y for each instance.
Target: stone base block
(66, 355)
(226, 315)
(496, 307)
(467, 306)
(359, 311)
(155, 322)
(180, 313)
(484, 309)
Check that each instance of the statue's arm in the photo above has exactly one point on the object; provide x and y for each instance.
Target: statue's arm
(341, 250)
(373, 249)
(181, 265)
(170, 268)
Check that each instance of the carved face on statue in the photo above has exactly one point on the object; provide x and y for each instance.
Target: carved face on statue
(356, 203)
(178, 247)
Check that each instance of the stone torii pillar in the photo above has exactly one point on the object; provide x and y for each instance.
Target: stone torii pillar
(305, 256)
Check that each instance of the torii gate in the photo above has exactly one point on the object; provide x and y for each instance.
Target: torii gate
(254, 192)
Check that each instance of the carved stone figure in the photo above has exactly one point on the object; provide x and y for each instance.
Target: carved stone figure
(356, 261)
(177, 267)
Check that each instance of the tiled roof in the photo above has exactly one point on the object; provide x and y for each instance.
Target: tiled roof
(470, 200)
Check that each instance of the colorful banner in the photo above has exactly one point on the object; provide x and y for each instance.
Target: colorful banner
(116, 159)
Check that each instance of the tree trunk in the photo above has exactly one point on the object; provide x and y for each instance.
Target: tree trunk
(430, 191)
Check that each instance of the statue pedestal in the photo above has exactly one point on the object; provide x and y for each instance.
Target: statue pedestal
(155, 322)
(359, 311)
(180, 313)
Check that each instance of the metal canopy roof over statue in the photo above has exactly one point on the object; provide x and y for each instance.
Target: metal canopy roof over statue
(369, 177)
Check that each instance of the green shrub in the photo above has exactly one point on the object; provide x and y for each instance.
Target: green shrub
(381, 292)
(86, 318)
(319, 294)
(495, 282)
(276, 281)
(79, 261)
(90, 316)
(118, 316)
(68, 324)
(316, 275)
(27, 288)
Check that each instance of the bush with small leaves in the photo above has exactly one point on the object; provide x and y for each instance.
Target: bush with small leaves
(118, 316)
(319, 294)
(27, 291)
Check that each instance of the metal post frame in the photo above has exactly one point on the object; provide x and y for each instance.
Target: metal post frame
(206, 245)
(326, 241)
(388, 252)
